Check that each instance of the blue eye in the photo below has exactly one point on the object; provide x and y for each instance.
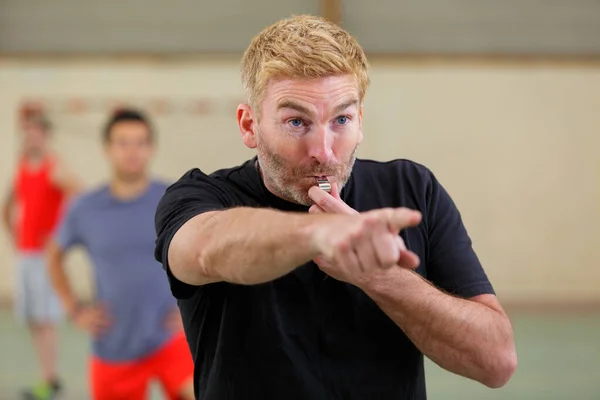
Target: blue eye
(342, 120)
(296, 122)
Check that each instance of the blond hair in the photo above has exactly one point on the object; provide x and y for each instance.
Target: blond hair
(301, 47)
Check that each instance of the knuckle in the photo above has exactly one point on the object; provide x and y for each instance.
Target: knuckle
(388, 262)
(400, 243)
(342, 246)
(384, 214)
(389, 259)
(389, 254)
(369, 221)
(358, 235)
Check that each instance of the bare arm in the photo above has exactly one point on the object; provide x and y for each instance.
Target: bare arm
(58, 277)
(7, 209)
(241, 245)
(472, 338)
(94, 319)
(253, 245)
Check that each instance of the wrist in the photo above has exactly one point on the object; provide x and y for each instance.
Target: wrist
(389, 281)
(74, 309)
(310, 232)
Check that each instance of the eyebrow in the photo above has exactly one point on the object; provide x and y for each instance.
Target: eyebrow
(293, 106)
(304, 110)
(346, 104)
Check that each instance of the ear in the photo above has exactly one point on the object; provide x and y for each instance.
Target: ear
(360, 133)
(247, 124)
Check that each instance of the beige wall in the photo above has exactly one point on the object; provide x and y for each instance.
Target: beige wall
(516, 146)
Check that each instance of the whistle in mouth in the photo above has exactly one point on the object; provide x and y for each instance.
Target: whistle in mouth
(324, 185)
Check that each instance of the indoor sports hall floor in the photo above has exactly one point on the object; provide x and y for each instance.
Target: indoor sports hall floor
(559, 359)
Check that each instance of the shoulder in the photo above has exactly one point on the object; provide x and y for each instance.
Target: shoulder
(223, 174)
(196, 190)
(194, 174)
(222, 180)
(158, 185)
(194, 186)
(193, 179)
(62, 173)
(88, 199)
(56, 162)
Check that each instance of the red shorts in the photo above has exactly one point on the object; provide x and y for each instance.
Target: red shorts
(171, 365)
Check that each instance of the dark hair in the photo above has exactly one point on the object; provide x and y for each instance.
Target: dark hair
(126, 115)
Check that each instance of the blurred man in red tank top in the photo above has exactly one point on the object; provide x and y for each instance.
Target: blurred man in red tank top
(33, 206)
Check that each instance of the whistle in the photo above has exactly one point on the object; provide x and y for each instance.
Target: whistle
(324, 185)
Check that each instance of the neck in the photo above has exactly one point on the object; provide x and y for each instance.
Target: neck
(128, 188)
(34, 157)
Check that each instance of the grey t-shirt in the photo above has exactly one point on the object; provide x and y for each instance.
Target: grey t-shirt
(119, 238)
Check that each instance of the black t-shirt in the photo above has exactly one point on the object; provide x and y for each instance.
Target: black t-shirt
(306, 335)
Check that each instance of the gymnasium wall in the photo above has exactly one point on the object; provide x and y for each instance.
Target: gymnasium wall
(516, 145)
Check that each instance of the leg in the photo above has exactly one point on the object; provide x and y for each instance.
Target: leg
(38, 306)
(174, 368)
(119, 381)
(45, 341)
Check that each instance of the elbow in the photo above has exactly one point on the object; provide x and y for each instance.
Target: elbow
(203, 265)
(193, 269)
(187, 268)
(501, 369)
(211, 271)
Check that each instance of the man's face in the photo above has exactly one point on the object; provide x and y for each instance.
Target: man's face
(307, 130)
(129, 149)
(35, 138)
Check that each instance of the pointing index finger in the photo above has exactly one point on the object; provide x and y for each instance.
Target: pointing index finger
(400, 218)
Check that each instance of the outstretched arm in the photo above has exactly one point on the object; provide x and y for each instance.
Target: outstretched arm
(251, 246)
(202, 238)
(240, 245)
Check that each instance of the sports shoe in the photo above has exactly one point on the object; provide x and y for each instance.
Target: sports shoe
(43, 391)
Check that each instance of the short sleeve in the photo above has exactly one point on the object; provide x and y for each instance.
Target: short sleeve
(193, 194)
(68, 232)
(452, 262)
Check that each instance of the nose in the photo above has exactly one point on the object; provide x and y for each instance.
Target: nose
(320, 145)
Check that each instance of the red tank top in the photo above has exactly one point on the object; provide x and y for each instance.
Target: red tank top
(39, 203)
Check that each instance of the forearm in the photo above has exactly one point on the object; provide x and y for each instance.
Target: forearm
(462, 336)
(245, 246)
(60, 280)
